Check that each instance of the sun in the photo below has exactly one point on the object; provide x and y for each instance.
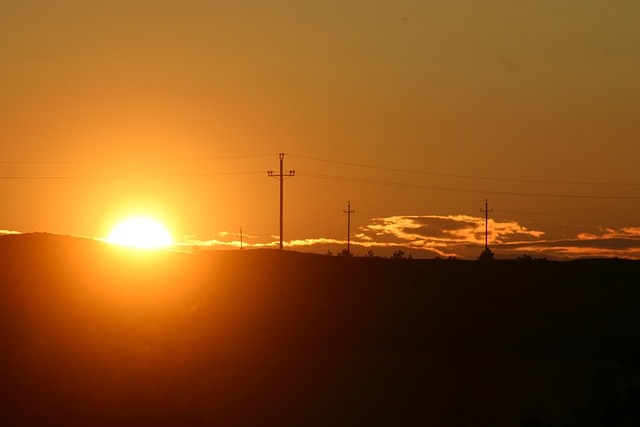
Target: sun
(140, 232)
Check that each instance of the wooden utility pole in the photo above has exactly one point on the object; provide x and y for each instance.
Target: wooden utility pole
(348, 212)
(486, 224)
(281, 177)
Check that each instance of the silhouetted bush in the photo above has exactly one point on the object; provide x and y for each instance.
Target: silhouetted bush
(486, 255)
(345, 252)
(526, 257)
(399, 254)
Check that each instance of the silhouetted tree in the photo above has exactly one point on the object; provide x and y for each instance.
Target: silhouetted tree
(526, 257)
(370, 254)
(329, 253)
(399, 254)
(486, 255)
(345, 252)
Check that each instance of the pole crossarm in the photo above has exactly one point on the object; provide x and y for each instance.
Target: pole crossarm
(348, 212)
(281, 177)
(486, 211)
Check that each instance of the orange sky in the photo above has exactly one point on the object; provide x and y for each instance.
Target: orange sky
(127, 95)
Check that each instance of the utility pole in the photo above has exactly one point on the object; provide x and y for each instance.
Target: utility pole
(348, 212)
(281, 177)
(486, 224)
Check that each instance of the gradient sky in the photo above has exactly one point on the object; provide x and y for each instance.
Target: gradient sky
(106, 106)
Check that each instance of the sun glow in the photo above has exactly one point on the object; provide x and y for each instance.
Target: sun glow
(140, 232)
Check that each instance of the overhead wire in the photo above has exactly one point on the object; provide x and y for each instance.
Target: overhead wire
(170, 175)
(128, 161)
(566, 211)
(323, 212)
(457, 189)
(397, 209)
(333, 218)
(475, 177)
(357, 180)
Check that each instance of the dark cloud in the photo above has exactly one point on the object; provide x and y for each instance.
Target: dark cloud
(449, 229)
(461, 236)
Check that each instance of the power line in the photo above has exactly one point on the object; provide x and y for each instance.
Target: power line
(71, 177)
(621, 196)
(576, 210)
(91, 162)
(410, 209)
(457, 189)
(360, 165)
(449, 175)
(328, 220)
(321, 213)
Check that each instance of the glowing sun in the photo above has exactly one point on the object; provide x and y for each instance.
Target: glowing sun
(140, 232)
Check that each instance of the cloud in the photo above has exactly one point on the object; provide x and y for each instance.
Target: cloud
(597, 242)
(610, 233)
(581, 248)
(232, 234)
(232, 241)
(6, 232)
(463, 236)
(316, 241)
(210, 243)
(385, 235)
(444, 230)
(460, 236)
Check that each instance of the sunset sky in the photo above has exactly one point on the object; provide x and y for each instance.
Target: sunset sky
(415, 111)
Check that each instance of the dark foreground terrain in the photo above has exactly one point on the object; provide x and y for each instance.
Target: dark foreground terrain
(94, 334)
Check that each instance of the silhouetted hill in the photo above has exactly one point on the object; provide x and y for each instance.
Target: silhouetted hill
(96, 334)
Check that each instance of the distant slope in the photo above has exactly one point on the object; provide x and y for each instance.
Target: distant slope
(96, 334)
